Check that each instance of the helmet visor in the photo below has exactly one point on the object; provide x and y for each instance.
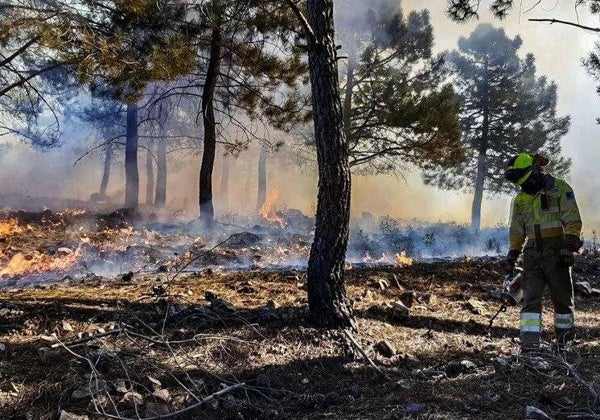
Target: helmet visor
(517, 175)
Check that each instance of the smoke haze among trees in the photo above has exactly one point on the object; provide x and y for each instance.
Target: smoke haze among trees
(397, 197)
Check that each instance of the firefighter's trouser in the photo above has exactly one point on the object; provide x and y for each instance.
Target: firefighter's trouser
(543, 267)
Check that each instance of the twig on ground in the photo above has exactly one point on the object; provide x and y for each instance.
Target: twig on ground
(361, 351)
(205, 400)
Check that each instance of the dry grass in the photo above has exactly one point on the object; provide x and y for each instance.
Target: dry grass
(290, 370)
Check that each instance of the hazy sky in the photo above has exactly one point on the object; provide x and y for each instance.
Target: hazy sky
(558, 50)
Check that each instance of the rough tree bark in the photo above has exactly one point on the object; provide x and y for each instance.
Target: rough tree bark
(161, 173)
(482, 149)
(262, 178)
(132, 178)
(149, 175)
(328, 305)
(210, 132)
(106, 171)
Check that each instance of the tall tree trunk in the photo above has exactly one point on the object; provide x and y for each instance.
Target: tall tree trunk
(149, 175)
(481, 158)
(248, 196)
(132, 178)
(478, 191)
(262, 178)
(225, 180)
(106, 172)
(210, 131)
(161, 173)
(328, 305)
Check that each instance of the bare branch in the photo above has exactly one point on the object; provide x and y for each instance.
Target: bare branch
(564, 22)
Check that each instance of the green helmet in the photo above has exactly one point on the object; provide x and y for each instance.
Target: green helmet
(519, 169)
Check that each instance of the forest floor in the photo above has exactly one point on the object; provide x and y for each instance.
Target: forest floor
(161, 344)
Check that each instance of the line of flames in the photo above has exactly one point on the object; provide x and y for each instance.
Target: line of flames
(21, 264)
(400, 259)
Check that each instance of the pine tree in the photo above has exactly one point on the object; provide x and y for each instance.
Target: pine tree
(34, 82)
(505, 109)
(328, 305)
(252, 58)
(397, 110)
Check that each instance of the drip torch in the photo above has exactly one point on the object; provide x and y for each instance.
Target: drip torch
(512, 293)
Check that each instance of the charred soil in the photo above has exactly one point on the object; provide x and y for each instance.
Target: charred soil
(158, 344)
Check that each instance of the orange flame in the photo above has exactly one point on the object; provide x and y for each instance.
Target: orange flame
(21, 264)
(268, 209)
(403, 260)
(9, 226)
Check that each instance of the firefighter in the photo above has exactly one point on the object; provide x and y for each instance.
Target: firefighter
(545, 226)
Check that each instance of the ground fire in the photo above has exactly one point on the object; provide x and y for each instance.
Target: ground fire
(269, 209)
(108, 285)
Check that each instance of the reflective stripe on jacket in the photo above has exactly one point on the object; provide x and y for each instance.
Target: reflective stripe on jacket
(553, 209)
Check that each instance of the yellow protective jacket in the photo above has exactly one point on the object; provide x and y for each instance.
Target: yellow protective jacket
(552, 213)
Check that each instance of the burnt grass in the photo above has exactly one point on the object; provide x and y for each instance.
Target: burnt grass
(176, 343)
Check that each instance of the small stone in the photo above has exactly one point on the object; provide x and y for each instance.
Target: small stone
(414, 408)
(385, 348)
(131, 399)
(454, 368)
(93, 388)
(408, 298)
(475, 307)
(65, 415)
(399, 310)
(537, 363)
(532, 412)
(120, 386)
(503, 364)
(162, 395)
(2, 348)
(66, 326)
(305, 381)
(155, 384)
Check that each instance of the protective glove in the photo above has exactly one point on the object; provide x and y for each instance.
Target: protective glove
(567, 258)
(511, 260)
(571, 243)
